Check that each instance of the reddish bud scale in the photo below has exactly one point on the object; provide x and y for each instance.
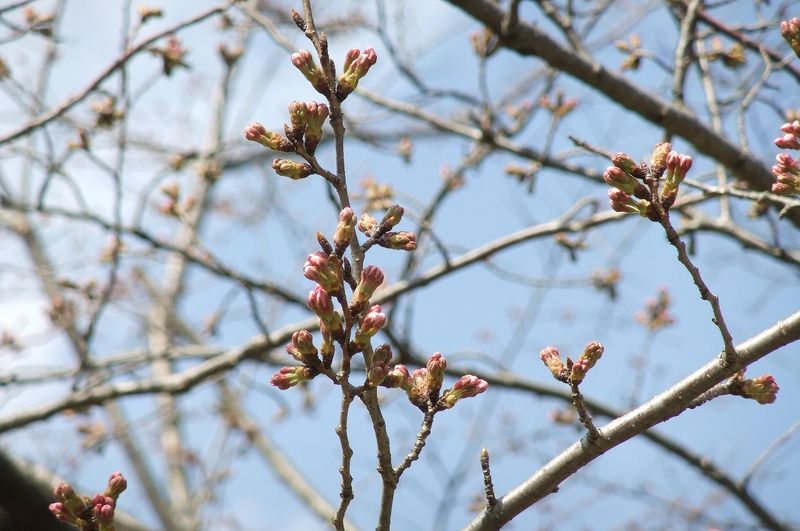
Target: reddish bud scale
(371, 279)
(467, 386)
(324, 271)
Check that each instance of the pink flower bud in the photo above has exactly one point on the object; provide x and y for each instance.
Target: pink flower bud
(552, 360)
(398, 377)
(787, 141)
(790, 30)
(345, 230)
(60, 511)
(303, 61)
(325, 272)
(356, 66)
(618, 178)
(467, 386)
(435, 374)
(371, 279)
(317, 113)
(370, 324)
(116, 485)
(291, 376)
(302, 347)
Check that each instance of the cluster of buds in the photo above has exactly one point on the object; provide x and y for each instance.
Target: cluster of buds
(791, 136)
(303, 61)
(324, 270)
(401, 241)
(630, 195)
(656, 314)
(790, 29)
(378, 366)
(356, 66)
(306, 120)
(86, 513)
(733, 57)
(423, 386)
(763, 389)
(571, 372)
(677, 167)
(302, 347)
(787, 175)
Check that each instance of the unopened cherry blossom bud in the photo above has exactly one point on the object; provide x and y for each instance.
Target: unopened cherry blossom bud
(403, 240)
(356, 66)
(370, 324)
(398, 377)
(291, 376)
(316, 115)
(658, 161)
(371, 279)
(304, 62)
(552, 360)
(298, 116)
(293, 170)
(255, 132)
(788, 141)
(435, 374)
(321, 304)
(321, 269)
(467, 386)
(104, 516)
(116, 485)
(367, 224)
(393, 216)
(418, 392)
(790, 30)
(613, 176)
(591, 353)
(624, 162)
(345, 230)
(622, 202)
(379, 367)
(763, 389)
(61, 512)
(302, 347)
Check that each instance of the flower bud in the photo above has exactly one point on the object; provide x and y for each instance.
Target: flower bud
(316, 115)
(116, 485)
(435, 376)
(398, 378)
(255, 132)
(371, 279)
(367, 224)
(552, 360)
(787, 141)
(298, 116)
(345, 230)
(302, 347)
(356, 66)
(392, 217)
(763, 389)
(291, 376)
(293, 170)
(373, 321)
(403, 240)
(591, 353)
(60, 511)
(613, 176)
(790, 30)
(658, 161)
(467, 386)
(303, 61)
(624, 162)
(324, 271)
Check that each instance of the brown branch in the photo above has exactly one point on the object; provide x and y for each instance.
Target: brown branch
(661, 408)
